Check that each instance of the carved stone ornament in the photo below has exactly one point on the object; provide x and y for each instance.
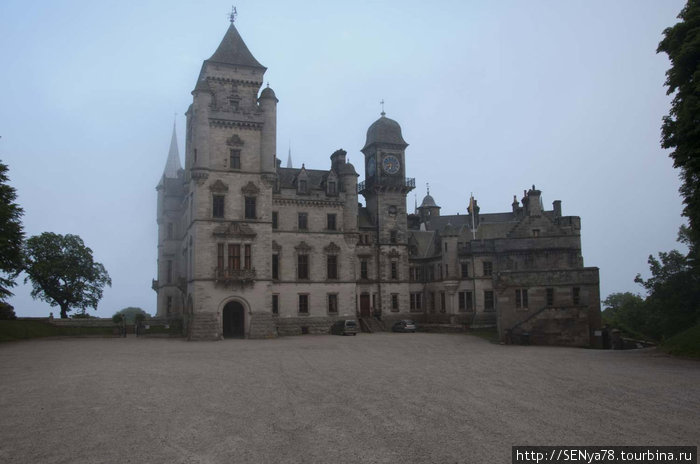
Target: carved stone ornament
(393, 253)
(250, 189)
(276, 246)
(218, 187)
(234, 141)
(234, 229)
(199, 176)
(332, 248)
(303, 247)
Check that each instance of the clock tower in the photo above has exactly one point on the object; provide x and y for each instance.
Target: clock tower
(385, 189)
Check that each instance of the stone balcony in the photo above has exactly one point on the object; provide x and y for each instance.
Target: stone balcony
(225, 276)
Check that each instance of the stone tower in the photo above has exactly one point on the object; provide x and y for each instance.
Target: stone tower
(229, 176)
(385, 189)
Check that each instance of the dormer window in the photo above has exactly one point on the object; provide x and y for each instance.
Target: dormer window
(303, 186)
(332, 188)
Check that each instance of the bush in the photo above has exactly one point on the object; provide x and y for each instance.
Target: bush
(7, 312)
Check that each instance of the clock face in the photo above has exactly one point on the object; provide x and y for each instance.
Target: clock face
(371, 166)
(391, 164)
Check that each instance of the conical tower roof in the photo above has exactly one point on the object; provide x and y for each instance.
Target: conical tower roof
(172, 165)
(232, 50)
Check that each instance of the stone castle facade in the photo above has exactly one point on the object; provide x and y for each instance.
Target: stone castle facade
(248, 248)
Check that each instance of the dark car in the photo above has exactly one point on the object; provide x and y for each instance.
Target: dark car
(344, 327)
(405, 325)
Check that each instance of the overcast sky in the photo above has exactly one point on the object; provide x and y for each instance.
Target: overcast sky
(492, 96)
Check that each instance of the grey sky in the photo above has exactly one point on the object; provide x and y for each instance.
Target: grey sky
(492, 98)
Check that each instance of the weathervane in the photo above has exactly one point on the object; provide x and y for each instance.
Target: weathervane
(232, 16)
(382, 103)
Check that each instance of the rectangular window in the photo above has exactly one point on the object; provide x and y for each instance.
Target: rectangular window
(465, 270)
(332, 266)
(445, 247)
(302, 186)
(246, 262)
(275, 266)
(303, 266)
(275, 304)
(169, 305)
(302, 221)
(395, 302)
(465, 301)
(432, 302)
(169, 276)
(330, 221)
(394, 270)
(488, 300)
(235, 159)
(488, 268)
(220, 256)
(392, 236)
(333, 303)
(440, 271)
(234, 257)
(576, 295)
(416, 301)
(535, 232)
(304, 304)
(274, 220)
(332, 190)
(170, 231)
(250, 208)
(363, 269)
(550, 297)
(447, 272)
(521, 298)
(442, 301)
(218, 206)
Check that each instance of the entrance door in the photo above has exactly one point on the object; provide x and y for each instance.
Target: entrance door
(364, 305)
(233, 320)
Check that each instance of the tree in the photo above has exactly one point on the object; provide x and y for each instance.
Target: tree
(11, 235)
(63, 272)
(680, 131)
(7, 312)
(132, 314)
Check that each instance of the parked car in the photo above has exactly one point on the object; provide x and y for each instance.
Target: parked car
(344, 327)
(405, 325)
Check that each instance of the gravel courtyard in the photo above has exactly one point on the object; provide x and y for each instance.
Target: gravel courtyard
(384, 398)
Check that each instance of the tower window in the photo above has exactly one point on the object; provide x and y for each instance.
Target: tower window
(363, 269)
(465, 270)
(275, 304)
(169, 305)
(169, 276)
(275, 266)
(332, 266)
(550, 297)
(392, 236)
(250, 208)
(218, 206)
(274, 220)
(330, 221)
(247, 263)
(303, 221)
(577, 295)
(235, 159)
(303, 266)
(394, 270)
(332, 189)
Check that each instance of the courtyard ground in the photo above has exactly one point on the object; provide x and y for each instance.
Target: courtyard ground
(375, 398)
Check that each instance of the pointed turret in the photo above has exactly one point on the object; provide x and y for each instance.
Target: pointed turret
(172, 166)
(232, 50)
(289, 157)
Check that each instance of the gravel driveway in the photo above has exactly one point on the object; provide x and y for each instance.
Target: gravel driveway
(379, 398)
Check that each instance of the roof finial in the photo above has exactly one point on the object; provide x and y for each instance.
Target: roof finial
(427, 186)
(268, 84)
(232, 15)
(382, 103)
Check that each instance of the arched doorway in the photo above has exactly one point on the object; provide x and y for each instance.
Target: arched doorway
(233, 320)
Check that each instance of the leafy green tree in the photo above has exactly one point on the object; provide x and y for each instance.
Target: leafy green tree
(627, 311)
(680, 131)
(7, 311)
(11, 235)
(63, 272)
(132, 314)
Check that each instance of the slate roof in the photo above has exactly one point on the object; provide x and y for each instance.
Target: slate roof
(232, 50)
(288, 175)
(385, 130)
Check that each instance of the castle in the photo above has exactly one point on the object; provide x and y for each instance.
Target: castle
(248, 248)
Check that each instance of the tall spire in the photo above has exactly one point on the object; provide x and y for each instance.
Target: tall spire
(289, 156)
(172, 166)
(232, 50)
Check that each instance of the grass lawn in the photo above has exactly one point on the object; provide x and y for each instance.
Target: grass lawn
(686, 343)
(21, 329)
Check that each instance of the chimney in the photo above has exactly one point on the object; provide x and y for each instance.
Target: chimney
(556, 205)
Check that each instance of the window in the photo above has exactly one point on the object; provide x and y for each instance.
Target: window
(550, 297)
(535, 232)
(395, 302)
(442, 302)
(445, 247)
(274, 220)
(219, 256)
(447, 272)
(432, 302)
(392, 236)
(302, 186)
(465, 301)
(465, 270)
(275, 266)
(218, 206)
(234, 257)
(394, 270)
(332, 190)
(169, 276)
(521, 298)
(247, 261)
(195, 155)
(363, 269)
(303, 221)
(303, 304)
(169, 305)
(440, 271)
(250, 208)
(332, 266)
(303, 266)
(488, 300)
(170, 231)
(416, 301)
(488, 268)
(577, 295)
(330, 221)
(235, 159)
(275, 304)
(333, 303)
